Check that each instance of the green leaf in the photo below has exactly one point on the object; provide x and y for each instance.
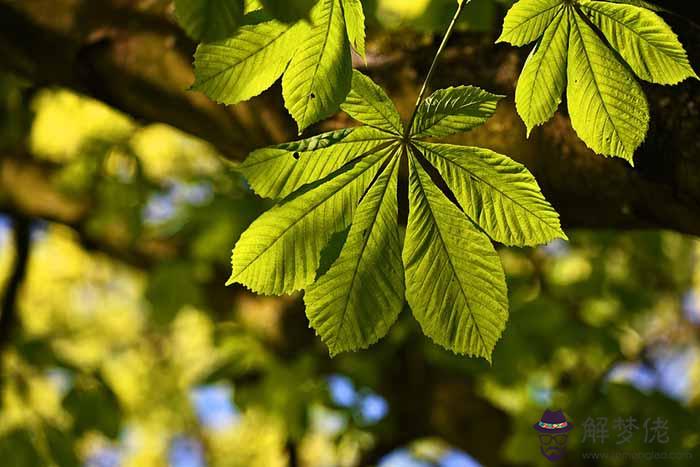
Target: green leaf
(289, 11)
(280, 252)
(209, 20)
(527, 20)
(607, 106)
(455, 284)
(454, 110)
(543, 79)
(644, 40)
(319, 76)
(639, 3)
(246, 64)
(275, 172)
(497, 193)
(355, 303)
(355, 23)
(369, 104)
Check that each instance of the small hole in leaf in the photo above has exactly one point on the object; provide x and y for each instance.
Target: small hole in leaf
(296, 155)
(312, 95)
(364, 233)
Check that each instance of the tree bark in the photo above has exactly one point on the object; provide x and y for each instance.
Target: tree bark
(140, 63)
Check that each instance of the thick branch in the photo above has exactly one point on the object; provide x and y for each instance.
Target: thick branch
(8, 318)
(110, 62)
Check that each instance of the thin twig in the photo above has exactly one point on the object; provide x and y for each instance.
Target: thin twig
(448, 33)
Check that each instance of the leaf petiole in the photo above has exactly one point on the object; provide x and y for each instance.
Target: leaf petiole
(460, 6)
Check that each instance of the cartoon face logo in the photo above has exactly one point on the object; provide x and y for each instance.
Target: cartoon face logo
(553, 428)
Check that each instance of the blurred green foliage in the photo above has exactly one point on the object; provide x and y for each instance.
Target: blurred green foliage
(131, 352)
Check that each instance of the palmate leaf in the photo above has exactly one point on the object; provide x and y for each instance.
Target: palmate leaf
(496, 192)
(454, 110)
(543, 80)
(644, 40)
(607, 107)
(355, 22)
(353, 305)
(369, 104)
(320, 73)
(277, 171)
(455, 284)
(249, 62)
(280, 252)
(309, 47)
(447, 269)
(606, 104)
(209, 20)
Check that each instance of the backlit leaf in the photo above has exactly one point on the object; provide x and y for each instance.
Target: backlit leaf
(454, 110)
(319, 76)
(497, 193)
(355, 23)
(353, 305)
(644, 40)
(527, 20)
(243, 66)
(369, 104)
(455, 283)
(607, 106)
(276, 171)
(543, 79)
(280, 252)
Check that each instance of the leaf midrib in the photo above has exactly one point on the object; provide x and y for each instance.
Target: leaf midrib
(471, 174)
(443, 116)
(346, 301)
(233, 65)
(320, 56)
(559, 16)
(626, 27)
(372, 102)
(595, 81)
(374, 151)
(449, 257)
(286, 151)
(532, 18)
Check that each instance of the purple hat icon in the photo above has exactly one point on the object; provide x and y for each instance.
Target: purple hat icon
(553, 422)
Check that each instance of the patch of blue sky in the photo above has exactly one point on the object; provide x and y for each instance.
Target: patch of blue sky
(636, 374)
(668, 374)
(342, 390)
(402, 458)
(690, 304)
(372, 408)
(105, 457)
(674, 367)
(159, 209)
(540, 395)
(186, 452)
(457, 458)
(556, 248)
(164, 206)
(214, 406)
(5, 227)
(61, 379)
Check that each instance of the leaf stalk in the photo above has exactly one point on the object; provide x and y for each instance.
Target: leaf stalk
(446, 37)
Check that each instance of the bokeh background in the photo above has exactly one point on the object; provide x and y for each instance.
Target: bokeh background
(120, 345)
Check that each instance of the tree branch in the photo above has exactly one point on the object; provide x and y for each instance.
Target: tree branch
(9, 317)
(143, 70)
